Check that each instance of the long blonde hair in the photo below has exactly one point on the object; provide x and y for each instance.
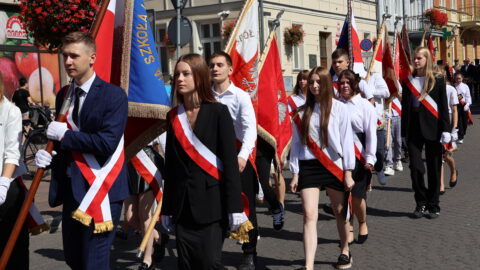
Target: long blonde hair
(429, 83)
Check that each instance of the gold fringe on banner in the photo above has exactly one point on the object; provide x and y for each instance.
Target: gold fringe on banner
(82, 217)
(145, 110)
(39, 229)
(241, 234)
(126, 45)
(102, 227)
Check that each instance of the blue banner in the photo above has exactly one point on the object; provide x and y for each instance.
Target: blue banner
(146, 84)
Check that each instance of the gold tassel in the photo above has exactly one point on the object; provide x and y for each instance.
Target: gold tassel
(102, 227)
(39, 229)
(82, 217)
(241, 233)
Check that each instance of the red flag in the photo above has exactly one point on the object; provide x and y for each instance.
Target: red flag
(378, 60)
(430, 48)
(273, 117)
(104, 41)
(404, 70)
(389, 70)
(397, 55)
(405, 41)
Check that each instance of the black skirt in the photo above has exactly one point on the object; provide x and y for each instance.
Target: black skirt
(361, 176)
(313, 174)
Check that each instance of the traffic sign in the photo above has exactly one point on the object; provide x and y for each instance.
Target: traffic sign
(185, 30)
(366, 44)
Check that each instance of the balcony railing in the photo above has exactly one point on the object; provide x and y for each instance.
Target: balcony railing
(416, 23)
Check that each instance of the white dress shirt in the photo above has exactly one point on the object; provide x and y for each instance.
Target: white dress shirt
(452, 97)
(244, 122)
(340, 137)
(86, 88)
(380, 92)
(299, 101)
(366, 89)
(464, 90)
(364, 120)
(10, 133)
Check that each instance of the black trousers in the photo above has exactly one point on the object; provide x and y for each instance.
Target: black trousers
(462, 122)
(249, 188)
(265, 155)
(381, 151)
(424, 196)
(199, 246)
(8, 215)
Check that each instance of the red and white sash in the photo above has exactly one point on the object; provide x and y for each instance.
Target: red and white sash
(413, 84)
(195, 149)
(293, 105)
(96, 203)
(469, 113)
(397, 106)
(149, 172)
(331, 161)
(359, 150)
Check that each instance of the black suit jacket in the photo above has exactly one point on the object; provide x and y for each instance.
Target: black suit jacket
(187, 185)
(431, 128)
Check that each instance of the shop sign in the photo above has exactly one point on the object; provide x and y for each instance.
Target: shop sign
(15, 28)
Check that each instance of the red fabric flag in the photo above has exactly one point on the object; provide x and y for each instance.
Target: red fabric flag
(396, 56)
(389, 70)
(273, 117)
(405, 41)
(404, 70)
(431, 48)
(104, 41)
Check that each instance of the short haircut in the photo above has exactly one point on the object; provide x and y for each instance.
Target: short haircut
(80, 37)
(220, 54)
(22, 82)
(339, 53)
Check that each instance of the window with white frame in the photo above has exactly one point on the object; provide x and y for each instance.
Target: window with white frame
(453, 4)
(441, 3)
(162, 49)
(298, 54)
(211, 38)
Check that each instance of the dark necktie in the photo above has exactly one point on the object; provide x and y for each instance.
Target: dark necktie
(76, 105)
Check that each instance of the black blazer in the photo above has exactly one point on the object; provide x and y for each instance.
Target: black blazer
(187, 185)
(431, 128)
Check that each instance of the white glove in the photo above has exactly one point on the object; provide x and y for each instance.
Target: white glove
(454, 135)
(4, 185)
(236, 219)
(466, 108)
(388, 116)
(56, 130)
(446, 138)
(43, 158)
(167, 223)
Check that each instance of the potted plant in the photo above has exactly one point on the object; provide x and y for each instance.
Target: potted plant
(293, 36)
(48, 21)
(169, 44)
(227, 29)
(437, 18)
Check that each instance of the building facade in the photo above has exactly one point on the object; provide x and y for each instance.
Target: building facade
(321, 21)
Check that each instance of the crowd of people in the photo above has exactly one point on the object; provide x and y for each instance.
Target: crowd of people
(214, 164)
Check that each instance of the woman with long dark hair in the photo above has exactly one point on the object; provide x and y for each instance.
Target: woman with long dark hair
(299, 95)
(364, 128)
(322, 155)
(202, 193)
(425, 122)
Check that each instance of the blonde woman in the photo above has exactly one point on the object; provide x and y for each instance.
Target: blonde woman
(425, 122)
(322, 155)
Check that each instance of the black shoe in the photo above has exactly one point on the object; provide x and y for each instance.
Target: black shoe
(433, 214)
(454, 183)
(419, 212)
(362, 238)
(144, 266)
(327, 208)
(248, 262)
(159, 249)
(344, 261)
(278, 218)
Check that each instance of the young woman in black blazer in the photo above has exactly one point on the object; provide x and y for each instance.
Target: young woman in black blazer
(196, 205)
(424, 125)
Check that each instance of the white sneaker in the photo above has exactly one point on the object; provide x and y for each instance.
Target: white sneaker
(460, 141)
(381, 178)
(397, 166)
(389, 171)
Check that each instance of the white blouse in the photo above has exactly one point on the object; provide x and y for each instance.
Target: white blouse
(464, 90)
(452, 97)
(10, 133)
(364, 120)
(340, 137)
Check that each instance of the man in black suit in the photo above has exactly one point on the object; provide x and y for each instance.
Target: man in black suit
(99, 113)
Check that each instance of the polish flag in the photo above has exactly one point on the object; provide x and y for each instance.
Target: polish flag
(396, 57)
(377, 61)
(358, 65)
(388, 69)
(104, 40)
(243, 48)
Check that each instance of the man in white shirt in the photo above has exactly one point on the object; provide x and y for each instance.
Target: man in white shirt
(244, 122)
